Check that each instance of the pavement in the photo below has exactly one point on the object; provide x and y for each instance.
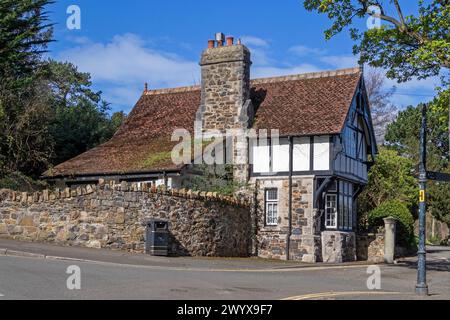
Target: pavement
(40, 271)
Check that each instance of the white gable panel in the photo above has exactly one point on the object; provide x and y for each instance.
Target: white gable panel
(301, 152)
(280, 157)
(261, 160)
(321, 153)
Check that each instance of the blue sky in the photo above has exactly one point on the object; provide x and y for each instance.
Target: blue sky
(126, 43)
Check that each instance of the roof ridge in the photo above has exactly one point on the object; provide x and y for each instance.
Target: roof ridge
(172, 90)
(308, 75)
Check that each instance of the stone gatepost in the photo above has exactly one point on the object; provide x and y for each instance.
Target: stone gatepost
(389, 239)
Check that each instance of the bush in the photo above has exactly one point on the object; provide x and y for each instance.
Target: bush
(19, 182)
(399, 211)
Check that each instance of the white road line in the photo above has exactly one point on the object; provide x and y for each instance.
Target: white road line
(196, 269)
(312, 296)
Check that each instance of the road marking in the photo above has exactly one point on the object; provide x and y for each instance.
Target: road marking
(340, 293)
(222, 270)
(282, 269)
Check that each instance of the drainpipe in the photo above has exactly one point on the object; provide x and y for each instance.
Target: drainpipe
(288, 237)
(165, 179)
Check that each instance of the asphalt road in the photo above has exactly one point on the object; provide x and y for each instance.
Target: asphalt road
(37, 278)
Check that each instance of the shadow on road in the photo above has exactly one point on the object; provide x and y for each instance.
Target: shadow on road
(438, 259)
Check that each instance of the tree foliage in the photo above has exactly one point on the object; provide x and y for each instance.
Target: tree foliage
(390, 178)
(80, 119)
(407, 46)
(24, 35)
(402, 135)
(48, 110)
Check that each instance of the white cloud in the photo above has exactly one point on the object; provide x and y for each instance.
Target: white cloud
(340, 61)
(123, 65)
(413, 92)
(254, 41)
(301, 50)
(259, 49)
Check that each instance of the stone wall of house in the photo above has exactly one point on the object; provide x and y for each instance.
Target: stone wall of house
(304, 242)
(370, 247)
(338, 246)
(113, 216)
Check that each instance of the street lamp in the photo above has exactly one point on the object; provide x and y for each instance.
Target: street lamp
(421, 286)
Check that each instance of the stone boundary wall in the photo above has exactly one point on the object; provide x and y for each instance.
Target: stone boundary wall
(114, 215)
(370, 247)
(338, 246)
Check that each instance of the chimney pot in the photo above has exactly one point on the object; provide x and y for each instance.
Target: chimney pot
(210, 44)
(146, 87)
(220, 38)
(239, 42)
(230, 41)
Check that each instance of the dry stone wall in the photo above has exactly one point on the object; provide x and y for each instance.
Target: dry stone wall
(114, 216)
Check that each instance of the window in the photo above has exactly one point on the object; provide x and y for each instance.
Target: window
(345, 205)
(271, 207)
(350, 137)
(331, 211)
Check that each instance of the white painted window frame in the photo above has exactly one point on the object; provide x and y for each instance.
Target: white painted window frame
(333, 222)
(271, 220)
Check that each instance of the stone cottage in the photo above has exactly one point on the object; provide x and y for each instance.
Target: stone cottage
(304, 183)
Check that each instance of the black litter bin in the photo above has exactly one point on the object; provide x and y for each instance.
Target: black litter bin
(157, 237)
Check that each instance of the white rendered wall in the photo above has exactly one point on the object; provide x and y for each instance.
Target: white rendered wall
(301, 154)
(321, 153)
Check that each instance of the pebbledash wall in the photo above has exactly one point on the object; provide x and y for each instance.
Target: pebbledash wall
(113, 216)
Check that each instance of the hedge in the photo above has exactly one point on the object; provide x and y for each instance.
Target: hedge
(399, 211)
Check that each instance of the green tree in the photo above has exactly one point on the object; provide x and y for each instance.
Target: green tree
(80, 120)
(402, 135)
(406, 46)
(48, 110)
(24, 35)
(390, 178)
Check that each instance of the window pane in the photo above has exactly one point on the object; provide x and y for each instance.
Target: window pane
(272, 194)
(330, 211)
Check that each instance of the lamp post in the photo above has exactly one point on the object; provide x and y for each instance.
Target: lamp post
(421, 286)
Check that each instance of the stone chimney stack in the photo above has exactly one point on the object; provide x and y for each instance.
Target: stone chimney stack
(225, 69)
(225, 98)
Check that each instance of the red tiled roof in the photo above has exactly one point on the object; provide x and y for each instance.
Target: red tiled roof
(307, 104)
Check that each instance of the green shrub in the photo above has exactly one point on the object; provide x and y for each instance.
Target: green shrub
(19, 182)
(399, 211)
